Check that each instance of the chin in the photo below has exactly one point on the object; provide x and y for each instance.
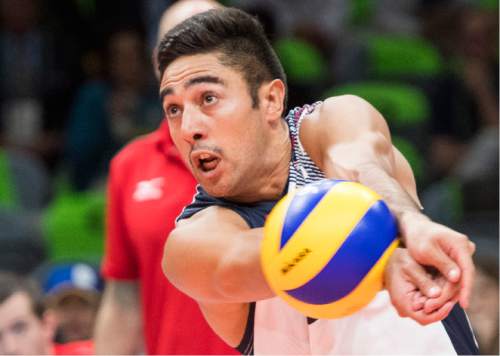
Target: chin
(217, 190)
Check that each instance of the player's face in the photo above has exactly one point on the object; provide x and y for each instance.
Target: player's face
(21, 332)
(213, 124)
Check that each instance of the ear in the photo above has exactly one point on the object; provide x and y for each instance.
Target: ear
(272, 99)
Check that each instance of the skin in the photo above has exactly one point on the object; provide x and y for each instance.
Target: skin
(75, 316)
(118, 327)
(207, 101)
(209, 111)
(21, 331)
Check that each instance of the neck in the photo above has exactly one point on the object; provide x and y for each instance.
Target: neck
(271, 177)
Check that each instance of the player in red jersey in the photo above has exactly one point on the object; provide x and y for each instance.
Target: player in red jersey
(148, 187)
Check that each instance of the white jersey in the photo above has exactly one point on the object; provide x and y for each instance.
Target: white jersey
(375, 329)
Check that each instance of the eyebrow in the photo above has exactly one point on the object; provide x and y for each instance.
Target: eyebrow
(193, 81)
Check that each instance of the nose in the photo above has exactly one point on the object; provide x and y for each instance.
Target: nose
(193, 125)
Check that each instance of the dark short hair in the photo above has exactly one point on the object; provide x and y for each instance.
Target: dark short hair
(11, 284)
(236, 35)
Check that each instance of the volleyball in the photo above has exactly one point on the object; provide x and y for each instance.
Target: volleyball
(325, 247)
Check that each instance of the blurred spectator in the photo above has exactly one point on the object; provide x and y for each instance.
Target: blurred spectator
(478, 61)
(26, 328)
(303, 43)
(147, 188)
(24, 192)
(35, 79)
(106, 115)
(152, 12)
(330, 17)
(465, 119)
(21, 245)
(72, 292)
(464, 149)
(396, 16)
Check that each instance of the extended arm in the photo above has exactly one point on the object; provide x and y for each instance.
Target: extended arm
(215, 258)
(355, 143)
(118, 329)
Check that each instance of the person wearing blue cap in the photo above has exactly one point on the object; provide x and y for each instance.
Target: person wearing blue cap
(73, 292)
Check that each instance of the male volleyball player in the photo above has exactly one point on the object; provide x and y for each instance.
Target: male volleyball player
(223, 92)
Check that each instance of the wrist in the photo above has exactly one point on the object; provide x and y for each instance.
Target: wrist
(407, 220)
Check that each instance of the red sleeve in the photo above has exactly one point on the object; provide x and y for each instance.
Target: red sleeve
(120, 260)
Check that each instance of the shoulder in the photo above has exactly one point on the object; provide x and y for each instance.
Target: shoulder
(350, 108)
(343, 115)
(339, 120)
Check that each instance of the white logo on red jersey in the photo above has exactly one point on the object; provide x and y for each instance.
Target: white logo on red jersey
(149, 189)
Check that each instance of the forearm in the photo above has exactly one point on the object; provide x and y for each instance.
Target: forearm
(381, 177)
(397, 198)
(373, 161)
(118, 327)
(239, 274)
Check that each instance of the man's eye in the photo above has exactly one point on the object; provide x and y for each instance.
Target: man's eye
(19, 327)
(173, 110)
(209, 99)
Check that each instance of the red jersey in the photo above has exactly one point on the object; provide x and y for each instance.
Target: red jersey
(148, 187)
(85, 347)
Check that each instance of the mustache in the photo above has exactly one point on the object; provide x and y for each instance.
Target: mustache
(209, 148)
(213, 149)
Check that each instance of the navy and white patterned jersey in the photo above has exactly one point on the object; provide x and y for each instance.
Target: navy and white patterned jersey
(273, 327)
(302, 168)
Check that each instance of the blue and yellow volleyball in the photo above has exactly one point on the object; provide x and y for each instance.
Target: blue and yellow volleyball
(325, 247)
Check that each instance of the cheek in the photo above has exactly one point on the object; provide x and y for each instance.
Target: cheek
(175, 134)
(34, 337)
(245, 144)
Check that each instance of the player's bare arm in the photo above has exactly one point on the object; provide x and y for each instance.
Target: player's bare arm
(215, 258)
(119, 323)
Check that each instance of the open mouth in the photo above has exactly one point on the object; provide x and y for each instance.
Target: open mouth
(205, 161)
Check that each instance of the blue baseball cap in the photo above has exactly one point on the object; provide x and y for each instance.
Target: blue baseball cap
(77, 277)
